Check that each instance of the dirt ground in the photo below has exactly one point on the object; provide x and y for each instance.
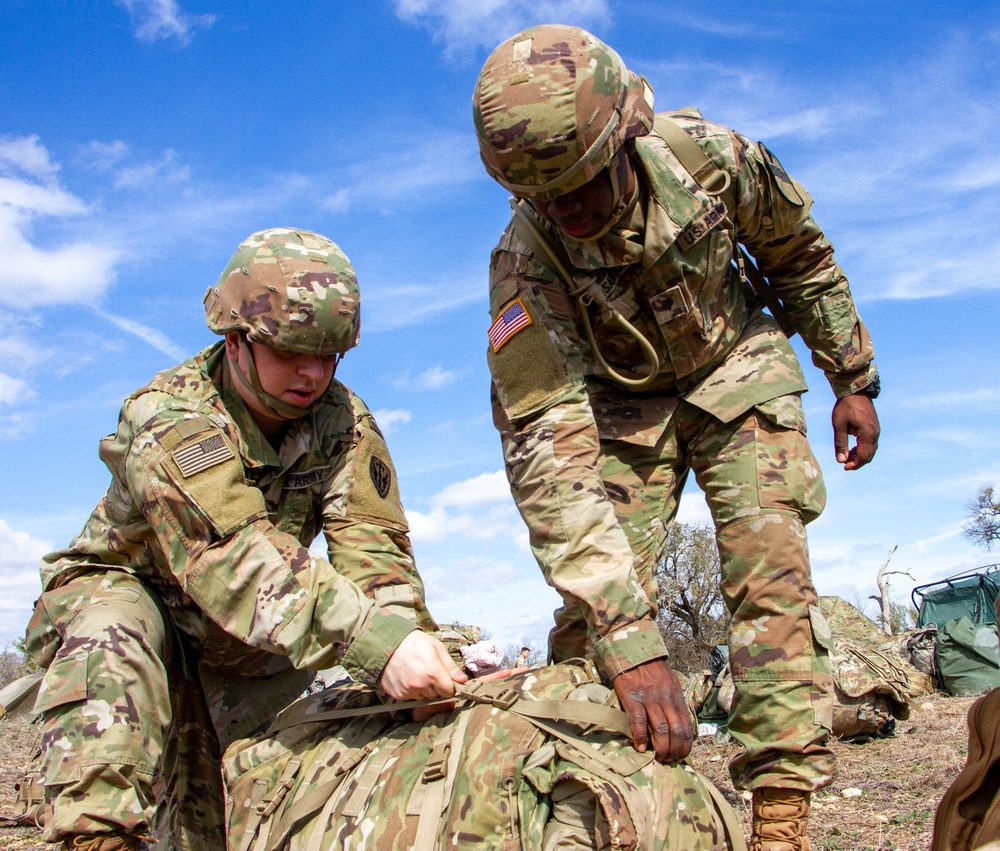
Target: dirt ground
(883, 800)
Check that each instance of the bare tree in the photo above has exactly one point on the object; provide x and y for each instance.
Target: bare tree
(692, 615)
(890, 614)
(983, 525)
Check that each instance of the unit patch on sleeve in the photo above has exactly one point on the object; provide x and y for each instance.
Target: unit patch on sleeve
(199, 456)
(381, 476)
(788, 187)
(513, 319)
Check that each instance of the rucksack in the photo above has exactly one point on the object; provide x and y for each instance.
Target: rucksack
(968, 815)
(870, 690)
(539, 760)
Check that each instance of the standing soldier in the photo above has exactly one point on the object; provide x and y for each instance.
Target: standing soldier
(189, 609)
(627, 349)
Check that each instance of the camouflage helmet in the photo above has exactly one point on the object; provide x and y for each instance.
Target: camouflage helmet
(552, 106)
(288, 289)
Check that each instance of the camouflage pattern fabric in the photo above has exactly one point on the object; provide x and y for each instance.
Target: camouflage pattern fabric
(596, 471)
(291, 290)
(918, 648)
(872, 685)
(511, 768)
(189, 609)
(573, 100)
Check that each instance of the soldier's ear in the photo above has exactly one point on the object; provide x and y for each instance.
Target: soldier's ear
(233, 341)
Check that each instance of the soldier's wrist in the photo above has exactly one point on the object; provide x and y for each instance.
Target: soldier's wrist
(372, 648)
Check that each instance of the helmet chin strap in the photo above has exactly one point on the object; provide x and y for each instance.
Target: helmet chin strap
(281, 409)
(621, 205)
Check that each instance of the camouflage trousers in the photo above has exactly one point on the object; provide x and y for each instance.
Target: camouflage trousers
(762, 484)
(130, 738)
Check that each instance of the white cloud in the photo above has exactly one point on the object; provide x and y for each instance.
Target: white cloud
(337, 202)
(436, 377)
(31, 275)
(987, 397)
(485, 488)
(102, 156)
(388, 421)
(462, 25)
(394, 307)
(13, 390)
(416, 169)
(155, 20)
(163, 170)
(37, 198)
(430, 379)
(483, 521)
(19, 349)
(157, 339)
(26, 156)
(20, 553)
(479, 508)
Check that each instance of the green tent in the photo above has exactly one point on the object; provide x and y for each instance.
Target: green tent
(972, 595)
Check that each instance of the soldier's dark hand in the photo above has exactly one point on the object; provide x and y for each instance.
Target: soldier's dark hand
(855, 415)
(652, 697)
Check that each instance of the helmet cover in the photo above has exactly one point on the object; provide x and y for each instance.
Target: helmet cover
(288, 289)
(552, 106)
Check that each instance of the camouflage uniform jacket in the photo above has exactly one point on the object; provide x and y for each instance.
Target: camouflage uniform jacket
(218, 523)
(667, 268)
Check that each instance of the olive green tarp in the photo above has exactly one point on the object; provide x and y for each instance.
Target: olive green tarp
(972, 595)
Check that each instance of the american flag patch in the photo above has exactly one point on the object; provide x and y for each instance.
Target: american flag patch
(200, 456)
(515, 318)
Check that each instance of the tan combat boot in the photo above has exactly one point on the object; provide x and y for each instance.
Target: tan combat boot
(105, 842)
(779, 820)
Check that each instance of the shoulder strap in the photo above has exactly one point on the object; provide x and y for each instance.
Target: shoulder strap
(730, 821)
(714, 181)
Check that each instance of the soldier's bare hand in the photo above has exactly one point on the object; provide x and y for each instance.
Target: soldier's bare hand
(652, 697)
(420, 669)
(855, 415)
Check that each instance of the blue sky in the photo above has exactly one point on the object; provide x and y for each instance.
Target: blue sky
(142, 140)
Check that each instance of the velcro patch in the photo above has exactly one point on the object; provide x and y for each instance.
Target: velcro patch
(514, 318)
(207, 452)
(701, 226)
(785, 184)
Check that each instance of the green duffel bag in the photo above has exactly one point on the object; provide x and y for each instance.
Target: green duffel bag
(967, 657)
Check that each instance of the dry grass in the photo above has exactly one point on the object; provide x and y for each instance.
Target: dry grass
(886, 791)
(900, 781)
(18, 741)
